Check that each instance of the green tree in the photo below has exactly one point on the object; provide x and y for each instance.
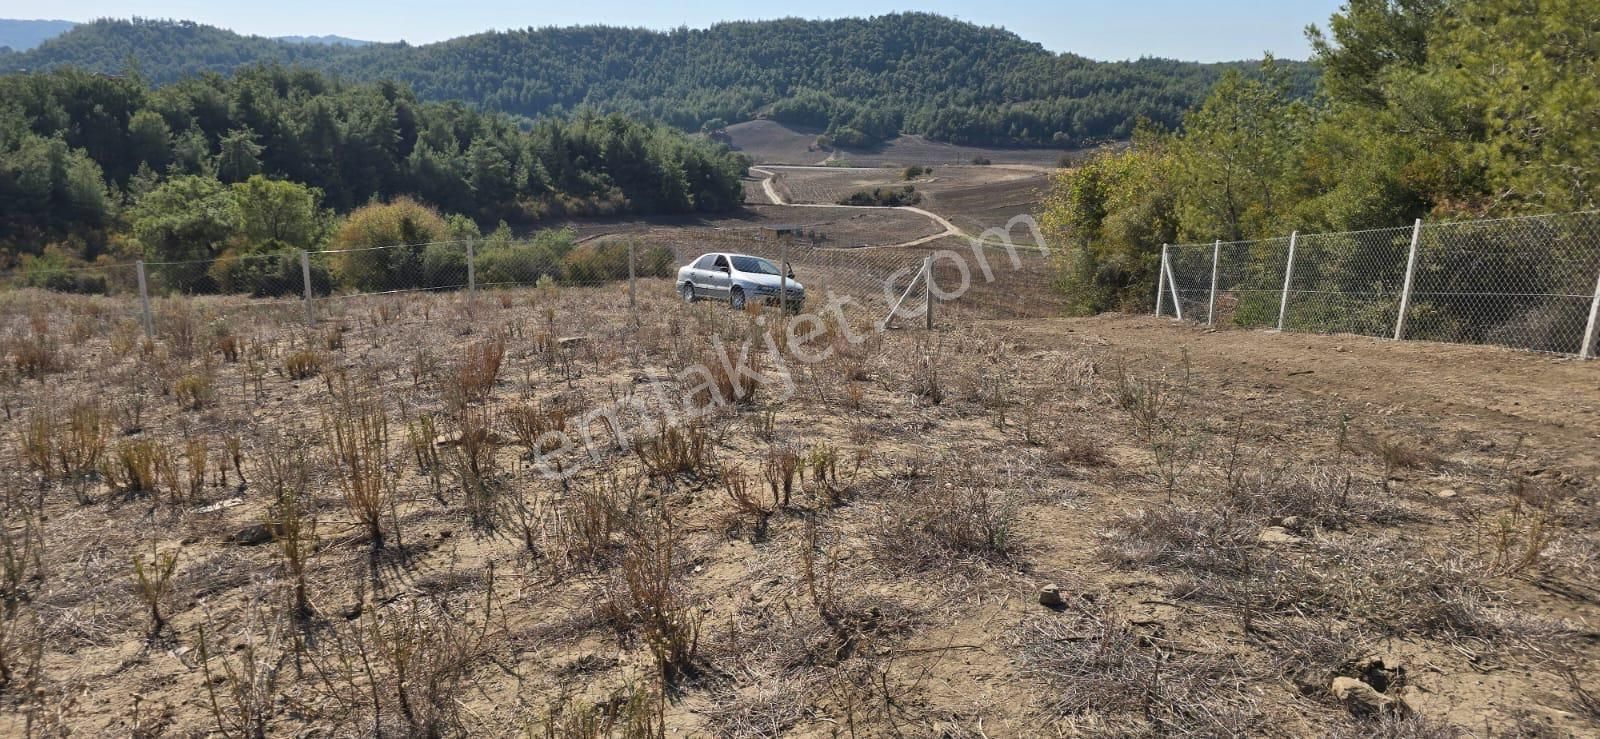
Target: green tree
(149, 139)
(387, 240)
(279, 211)
(186, 218)
(239, 156)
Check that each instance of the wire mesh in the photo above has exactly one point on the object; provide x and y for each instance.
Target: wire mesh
(1525, 283)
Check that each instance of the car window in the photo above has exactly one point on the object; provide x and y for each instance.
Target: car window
(754, 265)
(704, 262)
(722, 261)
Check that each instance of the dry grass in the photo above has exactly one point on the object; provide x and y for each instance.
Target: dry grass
(859, 554)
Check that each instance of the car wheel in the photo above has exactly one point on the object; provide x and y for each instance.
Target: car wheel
(736, 299)
(686, 291)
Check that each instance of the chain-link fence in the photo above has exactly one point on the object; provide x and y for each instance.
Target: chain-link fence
(1526, 283)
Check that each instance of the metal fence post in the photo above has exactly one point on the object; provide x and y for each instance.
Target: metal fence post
(1405, 292)
(144, 303)
(1161, 280)
(783, 276)
(1588, 332)
(927, 287)
(305, 278)
(633, 279)
(1288, 274)
(472, 271)
(1216, 259)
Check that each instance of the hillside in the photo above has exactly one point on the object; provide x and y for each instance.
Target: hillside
(860, 80)
(21, 35)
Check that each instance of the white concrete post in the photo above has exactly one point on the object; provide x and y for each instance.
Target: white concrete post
(927, 287)
(1288, 274)
(472, 270)
(1161, 280)
(1411, 272)
(1211, 307)
(144, 303)
(305, 278)
(1594, 317)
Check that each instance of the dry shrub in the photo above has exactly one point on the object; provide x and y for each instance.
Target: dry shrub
(1107, 676)
(399, 670)
(778, 470)
(589, 523)
(136, 467)
(1079, 450)
(537, 427)
(731, 377)
(152, 579)
(630, 713)
(472, 462)
(243, 688)
(951, 517)
(193, 391)
(357, 430)
(657, 604)
(747, 503)
(479, 367)
(302, 365)
(1403, 454)
(676, 450)
(36, 357)
(226, 343)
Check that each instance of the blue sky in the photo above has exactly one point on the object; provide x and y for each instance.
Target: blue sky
(1101, 29)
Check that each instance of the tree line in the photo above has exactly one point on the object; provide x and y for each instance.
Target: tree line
(861, 80)
(95, 165)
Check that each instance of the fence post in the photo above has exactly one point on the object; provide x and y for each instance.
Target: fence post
(927, 287)
(472, 270)
(144, 303)
(633, 279)
(1216, 258)
(1405, 292)
(305, 278)
(1288, 274)
(783, 277)
(1172, 284)
(1161, 280)
(1594, 316)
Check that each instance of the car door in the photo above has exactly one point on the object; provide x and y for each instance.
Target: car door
(718, 278)
(700, 275)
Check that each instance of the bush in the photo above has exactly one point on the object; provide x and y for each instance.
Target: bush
(404, 224)
(270, 273)
(884, 196)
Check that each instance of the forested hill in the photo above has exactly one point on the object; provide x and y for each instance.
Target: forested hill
(863, 80)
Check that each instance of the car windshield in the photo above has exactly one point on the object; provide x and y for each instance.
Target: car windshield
(755, 265)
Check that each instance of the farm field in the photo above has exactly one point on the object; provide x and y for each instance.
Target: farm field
(1002, 527)
(974, 198)
(775, 143)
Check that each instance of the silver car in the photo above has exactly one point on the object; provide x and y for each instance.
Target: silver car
(738, 279)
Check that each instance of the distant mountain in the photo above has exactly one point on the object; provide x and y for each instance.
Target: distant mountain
(859, 80)
(329, 40)
(24, 35)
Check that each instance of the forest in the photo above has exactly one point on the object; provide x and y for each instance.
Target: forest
(1436, 109)
(94, 166)
(861, 80)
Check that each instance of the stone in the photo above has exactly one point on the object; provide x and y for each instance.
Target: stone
(1050, 597)
(1446, 493)
(569, 342)
(1276, 535)
(1362, 699)
(253, 535)
(1290, 523)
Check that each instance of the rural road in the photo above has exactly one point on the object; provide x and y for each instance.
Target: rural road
(950, 229)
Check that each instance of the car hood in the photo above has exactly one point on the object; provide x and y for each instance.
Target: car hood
(771, 281)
